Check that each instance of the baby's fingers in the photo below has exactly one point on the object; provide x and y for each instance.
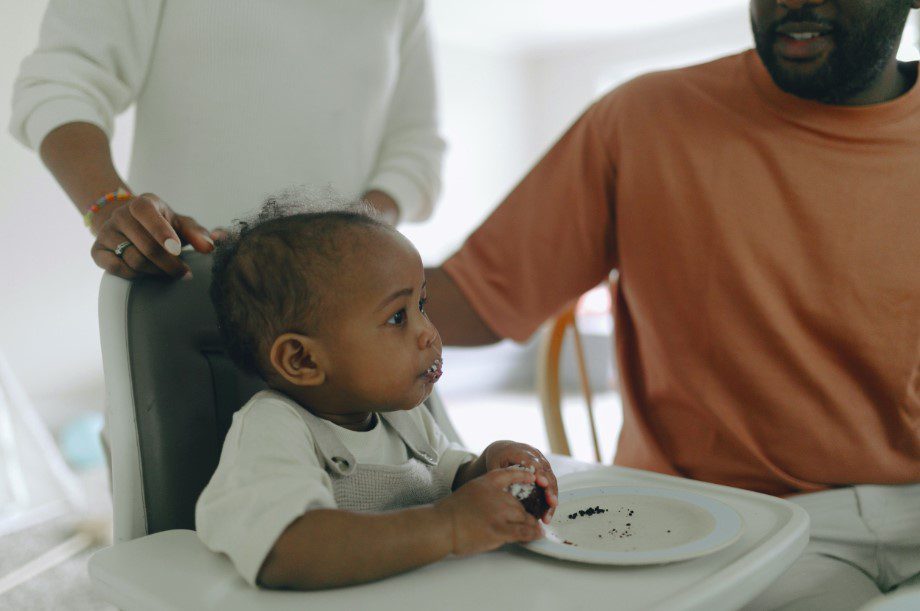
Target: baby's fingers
(545, 475)
(502, 478)
(552, 497)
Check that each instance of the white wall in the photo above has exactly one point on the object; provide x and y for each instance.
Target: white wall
(48, 327)
(565, 78)
(484, 117)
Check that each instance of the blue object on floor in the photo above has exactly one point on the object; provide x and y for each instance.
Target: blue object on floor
(80, 443)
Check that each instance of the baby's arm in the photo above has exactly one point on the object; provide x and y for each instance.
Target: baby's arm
(329, 547)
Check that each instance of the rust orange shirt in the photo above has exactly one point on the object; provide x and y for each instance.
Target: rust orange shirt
(768, 250)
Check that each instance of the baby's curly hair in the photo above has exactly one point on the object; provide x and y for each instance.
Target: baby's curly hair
(270, 274)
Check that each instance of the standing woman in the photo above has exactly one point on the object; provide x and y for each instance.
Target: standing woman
(235, 99)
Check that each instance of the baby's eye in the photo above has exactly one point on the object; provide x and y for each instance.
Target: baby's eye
(397, 319)
(421, 304)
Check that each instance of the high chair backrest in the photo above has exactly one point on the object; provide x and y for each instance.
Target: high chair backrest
(171, 392)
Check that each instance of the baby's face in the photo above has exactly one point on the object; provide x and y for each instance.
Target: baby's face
(385, 353)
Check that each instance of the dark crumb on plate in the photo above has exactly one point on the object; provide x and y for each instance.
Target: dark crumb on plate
(590, 511)
(567, 542)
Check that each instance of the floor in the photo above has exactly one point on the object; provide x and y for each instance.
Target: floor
(66, 585)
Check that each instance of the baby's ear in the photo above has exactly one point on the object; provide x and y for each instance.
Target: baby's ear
(293, 357)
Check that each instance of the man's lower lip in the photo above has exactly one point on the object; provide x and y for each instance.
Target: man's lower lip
(788, 47)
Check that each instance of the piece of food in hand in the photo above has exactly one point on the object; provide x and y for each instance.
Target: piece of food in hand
(531, 496)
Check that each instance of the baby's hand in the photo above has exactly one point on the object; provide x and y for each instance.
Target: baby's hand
(502, 454)
(483, 515)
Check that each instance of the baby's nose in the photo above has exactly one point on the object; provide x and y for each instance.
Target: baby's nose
(428, 336)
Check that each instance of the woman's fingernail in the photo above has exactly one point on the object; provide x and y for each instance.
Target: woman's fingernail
(172, 247)
(188, 275)
(208, 239)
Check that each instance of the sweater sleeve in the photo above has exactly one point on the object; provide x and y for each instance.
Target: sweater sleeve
(409, 161)
(90, 64)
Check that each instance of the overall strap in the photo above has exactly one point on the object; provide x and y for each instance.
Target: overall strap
(330, 452)
(412, 436)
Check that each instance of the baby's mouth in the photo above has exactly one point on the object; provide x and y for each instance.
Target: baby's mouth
(433, 373)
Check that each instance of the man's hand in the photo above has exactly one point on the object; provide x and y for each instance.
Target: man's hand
(155, 232)
(483, 515)
(503, 454)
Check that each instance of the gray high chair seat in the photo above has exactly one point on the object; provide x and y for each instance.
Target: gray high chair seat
(171, 392)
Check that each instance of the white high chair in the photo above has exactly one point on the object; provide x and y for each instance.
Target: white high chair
(170, 396)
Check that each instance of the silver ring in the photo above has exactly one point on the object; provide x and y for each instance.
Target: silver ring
(121, 248)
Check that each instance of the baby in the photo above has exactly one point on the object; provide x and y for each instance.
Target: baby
(338, 474)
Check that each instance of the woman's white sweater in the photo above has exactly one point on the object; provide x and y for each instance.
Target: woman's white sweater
(238, 99)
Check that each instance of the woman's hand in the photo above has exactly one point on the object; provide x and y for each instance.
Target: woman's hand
(384, 204)
(154, 235)
(502, 454)
(483, 515)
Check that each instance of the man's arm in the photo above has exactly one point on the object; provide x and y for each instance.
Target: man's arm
(453, 316)
(552, 239)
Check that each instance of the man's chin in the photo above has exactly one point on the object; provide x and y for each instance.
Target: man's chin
(809, 79)
(799, 82)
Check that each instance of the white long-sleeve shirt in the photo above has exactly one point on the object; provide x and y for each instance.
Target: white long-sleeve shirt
(239, 99)
(269, 474)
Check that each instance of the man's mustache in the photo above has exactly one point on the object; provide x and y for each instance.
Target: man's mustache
(802, 15)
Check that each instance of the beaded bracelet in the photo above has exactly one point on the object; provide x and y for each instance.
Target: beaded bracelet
(113, 196)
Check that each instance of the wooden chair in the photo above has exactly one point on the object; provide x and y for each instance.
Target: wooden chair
(549, 367)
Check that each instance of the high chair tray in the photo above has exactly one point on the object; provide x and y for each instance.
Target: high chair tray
(174, 570)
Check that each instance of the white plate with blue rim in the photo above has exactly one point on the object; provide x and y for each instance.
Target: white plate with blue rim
(637, 525)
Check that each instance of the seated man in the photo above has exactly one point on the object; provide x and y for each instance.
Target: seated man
(763, 214)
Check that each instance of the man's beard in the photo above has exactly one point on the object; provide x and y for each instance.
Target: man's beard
(853, 64)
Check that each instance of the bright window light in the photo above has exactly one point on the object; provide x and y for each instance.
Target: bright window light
(908, 51)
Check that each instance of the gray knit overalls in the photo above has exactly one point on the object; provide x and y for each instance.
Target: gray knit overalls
(359, 487)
